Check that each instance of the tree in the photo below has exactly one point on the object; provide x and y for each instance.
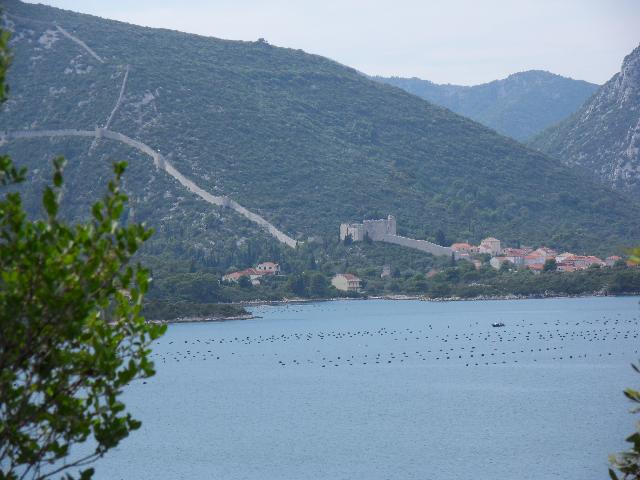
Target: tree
(71, 332)
(245, 282)
(296, 285)
(506, 267)
(440, 238)
(628, 463)
(318, 285)
(620, 264)
(550, 265)
(418, 283)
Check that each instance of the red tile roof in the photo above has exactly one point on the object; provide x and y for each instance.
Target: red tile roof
(350, 277)
(461, 246)
(268, 264)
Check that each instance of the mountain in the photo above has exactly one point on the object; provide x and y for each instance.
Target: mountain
(518, 106)
(217, 132)
(603, 137)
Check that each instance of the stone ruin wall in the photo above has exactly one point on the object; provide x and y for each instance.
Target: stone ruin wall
(385, 231)
(422, 245)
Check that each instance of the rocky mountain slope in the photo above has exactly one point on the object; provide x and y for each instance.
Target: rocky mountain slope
(299, 140)
(603, 137)
(518, 106)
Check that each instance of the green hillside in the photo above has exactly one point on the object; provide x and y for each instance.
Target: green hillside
(519, 106)
(302, 140)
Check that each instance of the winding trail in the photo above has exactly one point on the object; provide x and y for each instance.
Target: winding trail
(119, 101)
(94, 144)
(80, 42)
(160, 162)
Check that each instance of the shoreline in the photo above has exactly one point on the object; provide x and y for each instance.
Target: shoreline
(423, 298)
(203, 319)
(420, 298)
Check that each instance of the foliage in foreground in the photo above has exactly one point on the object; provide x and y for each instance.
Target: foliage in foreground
(628, 463)
(71, 331)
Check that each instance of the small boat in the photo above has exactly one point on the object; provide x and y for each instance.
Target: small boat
(497, 324)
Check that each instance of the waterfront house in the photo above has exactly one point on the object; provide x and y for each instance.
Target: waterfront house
(254, 274)
(346, 282)
(251, 273)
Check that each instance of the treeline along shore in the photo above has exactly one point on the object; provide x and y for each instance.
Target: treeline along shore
(452, 284)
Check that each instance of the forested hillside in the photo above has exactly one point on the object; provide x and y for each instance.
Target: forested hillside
(299, 139)
(519, 106)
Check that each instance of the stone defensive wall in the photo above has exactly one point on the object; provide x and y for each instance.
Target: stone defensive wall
(422, 245)
(160, 162)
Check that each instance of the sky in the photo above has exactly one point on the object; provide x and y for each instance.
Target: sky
(464, 42)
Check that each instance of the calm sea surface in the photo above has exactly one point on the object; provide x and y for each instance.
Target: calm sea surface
(388, 390)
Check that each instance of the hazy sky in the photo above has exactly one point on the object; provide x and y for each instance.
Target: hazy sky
(446, 41)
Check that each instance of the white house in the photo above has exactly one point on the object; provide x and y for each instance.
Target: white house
(346, 282)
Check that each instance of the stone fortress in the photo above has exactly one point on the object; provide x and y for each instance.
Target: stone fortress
(375, 229)
(384, 230)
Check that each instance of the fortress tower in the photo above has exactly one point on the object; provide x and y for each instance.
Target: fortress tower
(377, 229)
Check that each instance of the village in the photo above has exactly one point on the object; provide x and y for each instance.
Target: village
(528, 257)
(489, 250)
(345, 282)
(534, 259)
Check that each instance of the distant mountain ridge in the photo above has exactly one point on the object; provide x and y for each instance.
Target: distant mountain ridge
(603, 137)
(519, 106)
(302, 141)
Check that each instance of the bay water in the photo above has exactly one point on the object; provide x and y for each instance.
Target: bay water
(381, 389)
